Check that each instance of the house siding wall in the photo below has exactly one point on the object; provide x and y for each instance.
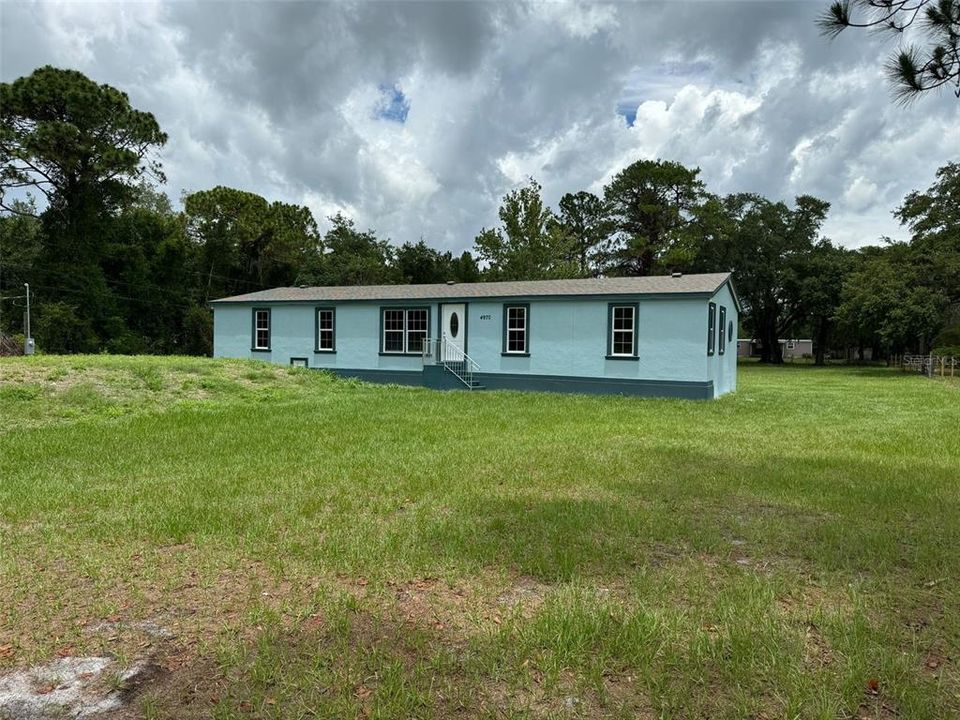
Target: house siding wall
(722, 369)
(568, 338)
(293, 334)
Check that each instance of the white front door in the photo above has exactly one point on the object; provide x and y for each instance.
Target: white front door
(453, 328)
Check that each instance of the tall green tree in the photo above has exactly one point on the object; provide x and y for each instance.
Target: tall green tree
(651, 203)
(901, 296)
(247, 243)
(933, 217)
(887, 304)
(152, 267)
(20, 247)
(584, 218)
(80, 144)
(351, 257)
(419, 263)
(767, 246)
(83, 148)
(465, 268)
(530, 244)
(819, 292)
(912, 70)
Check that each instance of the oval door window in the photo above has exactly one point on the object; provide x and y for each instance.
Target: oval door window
(454, 325)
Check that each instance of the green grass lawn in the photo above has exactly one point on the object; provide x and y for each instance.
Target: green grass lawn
(324, 548)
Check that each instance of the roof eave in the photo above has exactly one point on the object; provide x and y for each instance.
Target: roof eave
(467, 298)
(733, 292)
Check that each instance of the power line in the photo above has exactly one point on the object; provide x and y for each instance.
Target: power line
(199, 273)
(145, 289)
(70, 291)
(140, 287)
(69, 287)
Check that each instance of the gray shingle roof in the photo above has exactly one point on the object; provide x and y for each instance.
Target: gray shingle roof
(652, 285)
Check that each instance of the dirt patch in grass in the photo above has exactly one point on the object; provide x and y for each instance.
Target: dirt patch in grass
(877, 709)
(135, 599)
(812, 598)
(525, 594)
(568, 696)
(465, 607)
(179, 686)
(817, 651)
(351, 661)
(78, 687)
(428, 602)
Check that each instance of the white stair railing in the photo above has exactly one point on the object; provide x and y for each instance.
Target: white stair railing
(437, 351)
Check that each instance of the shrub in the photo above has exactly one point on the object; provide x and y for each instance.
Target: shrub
(948, 341)
(58, 329)
(198, 331)
(127, 343)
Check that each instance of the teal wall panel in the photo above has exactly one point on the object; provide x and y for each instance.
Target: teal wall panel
(722, 369)
(569, 337)
(293, 334)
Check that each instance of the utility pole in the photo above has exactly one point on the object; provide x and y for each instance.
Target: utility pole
(28, 341)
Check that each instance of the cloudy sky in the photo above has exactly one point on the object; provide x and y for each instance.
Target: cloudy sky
(416, 118)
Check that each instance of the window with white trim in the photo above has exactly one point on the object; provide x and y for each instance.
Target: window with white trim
(623, 330)
(261, 329)
(515, 319)
(325, 330)
(404, 330)
(722, 348)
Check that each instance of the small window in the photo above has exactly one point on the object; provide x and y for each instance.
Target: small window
(723, 336)
(404, 330)
(515, 330)
(261, 329)
(454, 325)
(730, 331)
(299, 362)
(326, 326)
(623, 331)
(711, 328)
(791, 344)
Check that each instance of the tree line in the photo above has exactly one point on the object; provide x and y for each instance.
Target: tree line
(657, 217)
(116, 268)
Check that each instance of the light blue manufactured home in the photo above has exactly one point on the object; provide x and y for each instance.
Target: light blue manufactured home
(662, 336)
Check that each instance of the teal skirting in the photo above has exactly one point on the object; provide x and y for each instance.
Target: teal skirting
(438, 378)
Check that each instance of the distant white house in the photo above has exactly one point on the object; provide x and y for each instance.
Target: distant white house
(789, 348)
